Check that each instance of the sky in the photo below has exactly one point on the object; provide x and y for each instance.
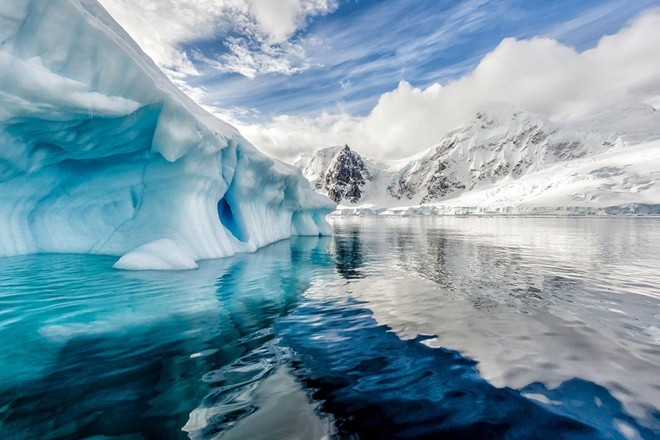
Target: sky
(389, 77)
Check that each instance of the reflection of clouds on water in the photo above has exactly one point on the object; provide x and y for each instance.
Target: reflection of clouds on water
(490, 289)
(377, 385)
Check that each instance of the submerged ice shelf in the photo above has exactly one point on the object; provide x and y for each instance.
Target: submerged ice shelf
(100, 153)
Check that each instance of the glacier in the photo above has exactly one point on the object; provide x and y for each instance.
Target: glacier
(100, 153)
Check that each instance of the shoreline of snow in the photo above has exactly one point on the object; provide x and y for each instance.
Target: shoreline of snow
(627, 210)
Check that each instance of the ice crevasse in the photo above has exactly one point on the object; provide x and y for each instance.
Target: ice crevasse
(101, 153)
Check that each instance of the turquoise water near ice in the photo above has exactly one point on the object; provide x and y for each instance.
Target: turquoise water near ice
(391, 328)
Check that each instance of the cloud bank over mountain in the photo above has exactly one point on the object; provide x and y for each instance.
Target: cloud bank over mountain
(540, 75)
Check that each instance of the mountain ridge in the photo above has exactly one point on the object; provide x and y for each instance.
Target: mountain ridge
(500, 147)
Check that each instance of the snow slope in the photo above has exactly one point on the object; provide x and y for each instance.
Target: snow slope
(506, 160)
(100, 153)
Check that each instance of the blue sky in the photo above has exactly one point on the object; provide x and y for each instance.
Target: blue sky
(391, 76)
(368, 46)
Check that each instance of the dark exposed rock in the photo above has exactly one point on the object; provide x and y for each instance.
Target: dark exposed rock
(402, 188)
(346, 176)
(567, 150)
(538, 136)
(440, 185)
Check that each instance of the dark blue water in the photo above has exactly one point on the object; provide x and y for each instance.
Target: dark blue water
(400, 328)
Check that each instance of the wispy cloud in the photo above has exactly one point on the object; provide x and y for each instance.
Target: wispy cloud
(601, 19)
(371, 49)
(258, 36)
(249, 59)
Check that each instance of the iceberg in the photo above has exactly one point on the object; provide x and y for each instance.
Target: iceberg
(100, 153)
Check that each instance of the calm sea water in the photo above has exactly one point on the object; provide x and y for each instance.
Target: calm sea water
(475, 328)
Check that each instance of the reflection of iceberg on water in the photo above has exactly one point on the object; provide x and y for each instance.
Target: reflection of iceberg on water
(166, 340)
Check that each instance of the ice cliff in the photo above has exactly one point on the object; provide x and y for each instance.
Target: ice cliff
(100, 153)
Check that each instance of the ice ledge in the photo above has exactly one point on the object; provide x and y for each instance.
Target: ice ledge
(163, 254)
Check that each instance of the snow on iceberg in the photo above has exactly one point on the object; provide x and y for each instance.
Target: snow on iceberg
(101, 153)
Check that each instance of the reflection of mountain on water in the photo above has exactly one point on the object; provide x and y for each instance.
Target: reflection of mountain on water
(347, 249)
(531, 300)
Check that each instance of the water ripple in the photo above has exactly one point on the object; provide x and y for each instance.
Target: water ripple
(392, 328)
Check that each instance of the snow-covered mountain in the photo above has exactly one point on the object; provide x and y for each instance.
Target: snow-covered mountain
(505, 159)
(101, 153)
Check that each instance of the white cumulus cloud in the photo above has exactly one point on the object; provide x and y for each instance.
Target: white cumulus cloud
(540, 75)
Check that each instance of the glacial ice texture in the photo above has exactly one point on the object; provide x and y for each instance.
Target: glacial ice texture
(100, 153)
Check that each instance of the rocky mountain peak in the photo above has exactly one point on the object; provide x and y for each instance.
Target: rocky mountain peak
(346, 176)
